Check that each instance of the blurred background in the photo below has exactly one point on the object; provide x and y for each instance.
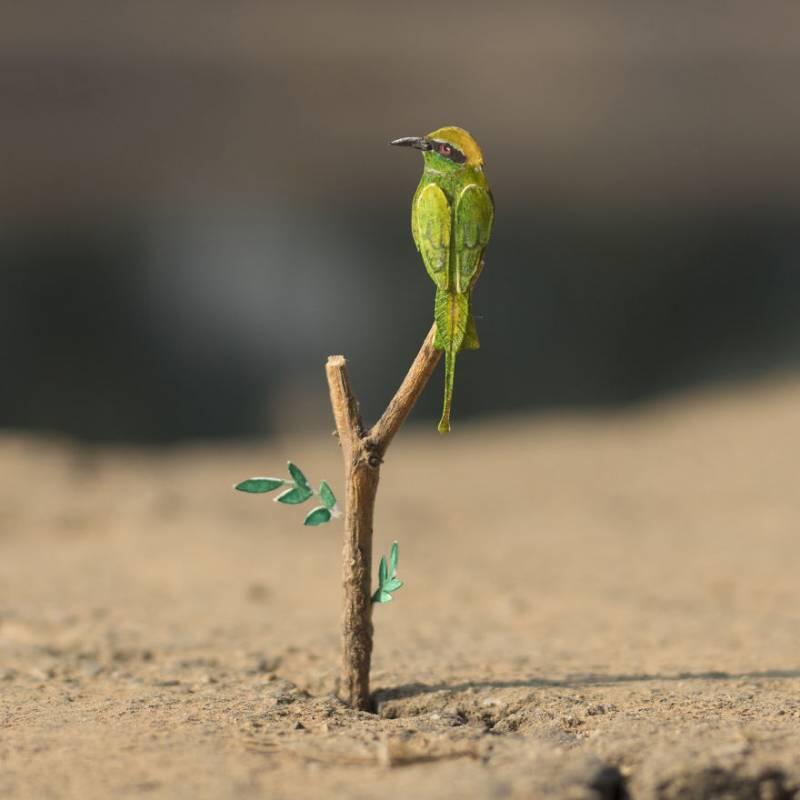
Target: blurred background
(198, 205)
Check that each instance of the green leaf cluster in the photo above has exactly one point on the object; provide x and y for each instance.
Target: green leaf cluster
(297, 491)
(388, 581)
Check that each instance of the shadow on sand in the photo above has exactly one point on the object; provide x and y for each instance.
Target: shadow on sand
(573, 681)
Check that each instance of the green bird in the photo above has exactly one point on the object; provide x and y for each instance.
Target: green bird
(451, 221)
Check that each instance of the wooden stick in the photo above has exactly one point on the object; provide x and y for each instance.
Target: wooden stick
(363, 453)
(406, 396)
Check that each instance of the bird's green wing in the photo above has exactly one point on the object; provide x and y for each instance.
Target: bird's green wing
(474, 216)
(430, 224)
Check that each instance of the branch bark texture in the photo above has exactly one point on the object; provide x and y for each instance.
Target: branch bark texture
(364, 451)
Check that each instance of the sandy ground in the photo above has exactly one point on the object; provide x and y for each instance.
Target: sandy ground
(594, 606)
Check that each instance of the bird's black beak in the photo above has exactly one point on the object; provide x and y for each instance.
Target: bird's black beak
(420, 142)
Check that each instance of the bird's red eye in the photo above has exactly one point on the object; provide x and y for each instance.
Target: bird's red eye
(445, 149)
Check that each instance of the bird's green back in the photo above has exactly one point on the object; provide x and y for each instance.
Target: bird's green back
(434, 224)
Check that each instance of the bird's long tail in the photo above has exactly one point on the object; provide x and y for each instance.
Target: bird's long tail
(449, 376)
(452, 315)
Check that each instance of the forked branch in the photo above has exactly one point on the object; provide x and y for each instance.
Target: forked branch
(363, 453)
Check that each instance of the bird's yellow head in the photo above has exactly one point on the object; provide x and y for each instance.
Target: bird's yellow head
(449, 146)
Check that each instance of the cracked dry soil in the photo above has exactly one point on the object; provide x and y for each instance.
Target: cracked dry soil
(595, 607)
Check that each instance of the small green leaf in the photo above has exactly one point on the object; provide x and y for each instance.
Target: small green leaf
(317, 516)
(259, 485)
(392, 585)
(326, 495)
(393, 559)
(295, 495)
(297, 476)
(381, 597)
(382, 572)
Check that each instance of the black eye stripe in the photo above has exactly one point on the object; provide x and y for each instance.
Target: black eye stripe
(454, 155)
